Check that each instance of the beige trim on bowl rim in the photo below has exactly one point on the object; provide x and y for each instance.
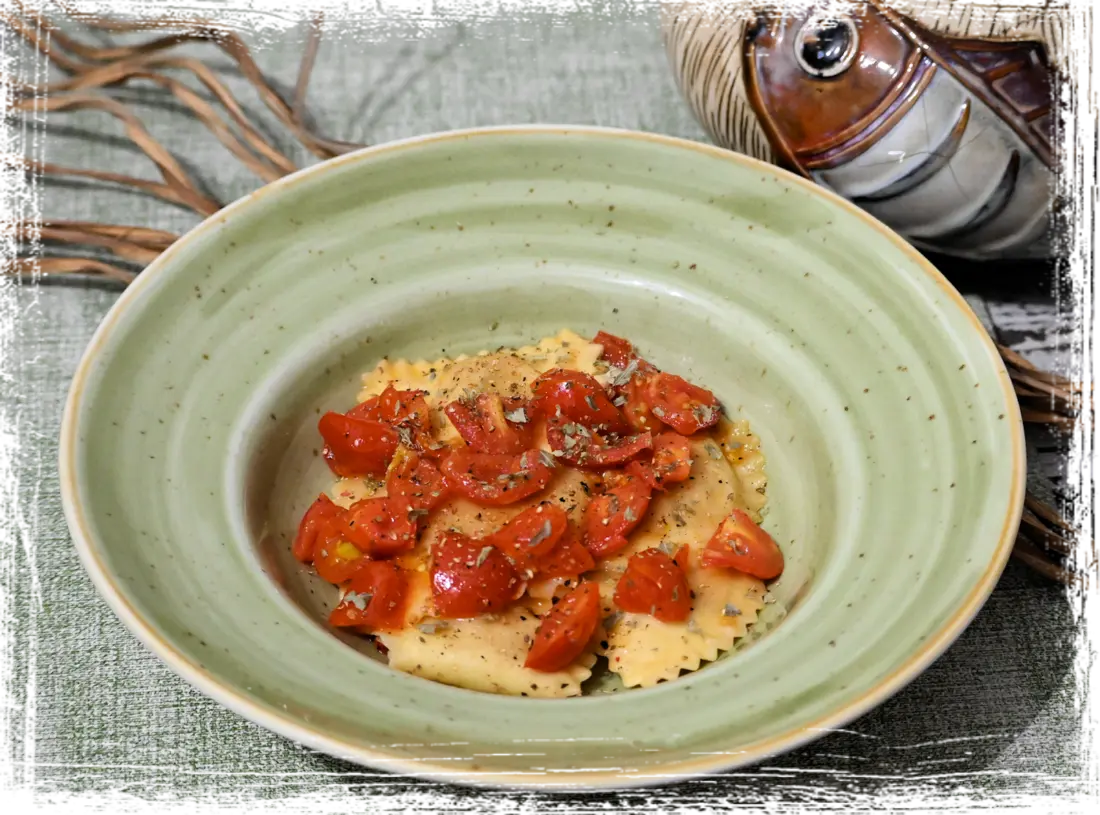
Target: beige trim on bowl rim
(278, 722)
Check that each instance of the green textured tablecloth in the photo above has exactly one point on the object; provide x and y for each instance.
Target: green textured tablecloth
(994, 723)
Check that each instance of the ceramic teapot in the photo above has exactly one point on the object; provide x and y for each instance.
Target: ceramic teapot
(935, 117)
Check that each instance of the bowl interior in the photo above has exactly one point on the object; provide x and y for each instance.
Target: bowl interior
(893, 444)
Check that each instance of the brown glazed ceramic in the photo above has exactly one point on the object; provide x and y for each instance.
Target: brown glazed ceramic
(964, 125)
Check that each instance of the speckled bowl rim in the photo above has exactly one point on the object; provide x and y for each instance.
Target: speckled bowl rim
(932, 647)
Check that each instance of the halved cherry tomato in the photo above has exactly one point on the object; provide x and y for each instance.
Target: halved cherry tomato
(613, 514)
(671, 462)
(565, 632)
(407, 412)
(583, 447)
(376, 600)
(381, 527)
(530, 535)
(686, 407)
(654, 584)
(579, 397)
(740, 544)
(415, 479)
(616, 350)
(638, 408)
(471, 577)
(318, 526)
(357, 447)
(568, 559)
(492, 480)
(483, 424)
(338, 560)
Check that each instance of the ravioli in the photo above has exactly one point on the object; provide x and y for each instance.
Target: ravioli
(487, 653)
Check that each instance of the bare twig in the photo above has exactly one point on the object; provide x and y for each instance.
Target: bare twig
(156, 188)
(1028, 553)
(100, 237)
(232, 44)
(305, 69)
(49, 266)
(1047, 513)
(174, 175)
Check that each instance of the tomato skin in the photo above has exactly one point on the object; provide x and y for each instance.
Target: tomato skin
(616, 350)
(638, 409)
(579, 397)
(613, 514)
(471, 577)
(482, 424)
(565, 632)
(567, 559)
(671, 462)
(387, 585)
(381, 527)
(583, 447)
(416, 479)
(481, 476)
(407, 412)
(338, 560)
(655, 584)
(740, 544)
(687, 408)
(357, 447)
(318, 526)
(529, 536)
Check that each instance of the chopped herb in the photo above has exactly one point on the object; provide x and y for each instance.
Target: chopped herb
(519, 416)
(590, 402)
(484, 553)
(622, 376)
(417, 513)
(619, 401)
(358, 600)
(659, 412)
(432, 627)
(611, 619)
(630, 515)
(731, 611)
(666, 547)
(714, 452)
(405, 436)
(546, 458)
(675, 593)
(542, 534)
(768, 598)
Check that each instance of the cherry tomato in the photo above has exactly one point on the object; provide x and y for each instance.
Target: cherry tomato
(654, 584)
(337, 560)
(638, 409)
(587, 448)
(484, 425)
(381, 527)
(578, 397)
(471, 577)
(318, 526)
(671, 462)
(415, 479)
(376, 600)
(616, 350)
(497, 480)
(568, 559)
(407, 412)
(357, 447)
(686, 407)
(565, 632)
(740, 544)
(530, 535)
(613, 514)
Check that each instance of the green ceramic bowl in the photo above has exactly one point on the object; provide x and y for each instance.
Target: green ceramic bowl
(894, 442)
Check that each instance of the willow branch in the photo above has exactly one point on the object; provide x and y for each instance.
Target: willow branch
(174, 175)
(53, 266)
(229, 42)
(155, 188)
(64, 233)
(305, 68)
